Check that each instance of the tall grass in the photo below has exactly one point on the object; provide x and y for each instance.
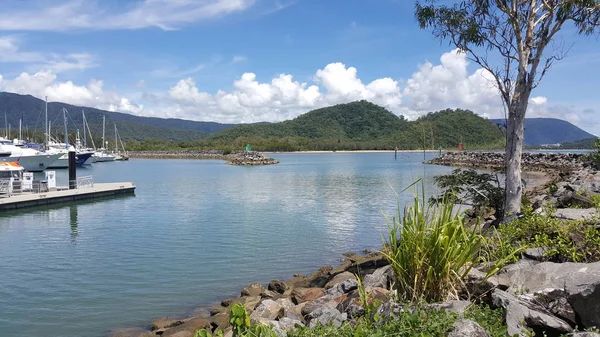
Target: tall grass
(430, 250)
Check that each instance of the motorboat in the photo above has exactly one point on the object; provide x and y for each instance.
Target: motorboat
(32, 160)
(11, 177)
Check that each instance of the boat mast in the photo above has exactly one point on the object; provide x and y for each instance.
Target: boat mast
(103, 129)
(6, 126)
(89, 131)
(66, 134)
(116, 144)
(47, 126)
(20, 129)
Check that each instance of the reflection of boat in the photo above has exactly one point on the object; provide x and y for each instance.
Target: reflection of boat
(32, 160)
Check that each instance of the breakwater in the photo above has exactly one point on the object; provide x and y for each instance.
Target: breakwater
(242, 158)
(543, 162)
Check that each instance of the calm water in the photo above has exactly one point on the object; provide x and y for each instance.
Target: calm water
(194, 233)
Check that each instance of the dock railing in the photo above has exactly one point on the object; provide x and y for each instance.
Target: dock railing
(85, 181)
(17, 187)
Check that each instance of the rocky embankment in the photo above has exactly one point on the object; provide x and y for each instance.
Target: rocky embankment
(555, 297)
(232, 158)
(543, 162)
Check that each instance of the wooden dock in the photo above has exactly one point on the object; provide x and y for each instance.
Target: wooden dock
(61, 196)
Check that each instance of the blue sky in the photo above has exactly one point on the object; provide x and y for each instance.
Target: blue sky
(255, 60)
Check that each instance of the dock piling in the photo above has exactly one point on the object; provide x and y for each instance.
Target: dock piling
(72, 171)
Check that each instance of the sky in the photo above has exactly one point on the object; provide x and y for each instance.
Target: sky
(244, 61)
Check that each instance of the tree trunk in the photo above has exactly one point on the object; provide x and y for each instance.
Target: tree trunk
(514, 149)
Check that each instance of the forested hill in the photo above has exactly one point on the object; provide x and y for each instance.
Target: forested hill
(364, 125)
(31, 109)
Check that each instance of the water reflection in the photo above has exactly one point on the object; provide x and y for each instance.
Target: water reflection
(73, 221)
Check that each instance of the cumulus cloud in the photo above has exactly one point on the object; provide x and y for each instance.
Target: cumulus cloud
(448, 84)
(89, 14)
(44, 83)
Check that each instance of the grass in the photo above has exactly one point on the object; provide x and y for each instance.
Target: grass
(430, 250)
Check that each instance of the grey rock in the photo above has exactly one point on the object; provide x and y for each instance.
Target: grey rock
(521, 310)
(581, 282)
(466, 327)
(285, 303)
(355, 311)
(339, 278)
(342, 288)
(325, 316)
(575, 213)
(323, 302)
(457, 306)
(255, 289)
(584, 334)
(382, 278)
(536, 253)
(390, 309)
(268, 309)
(555, 300)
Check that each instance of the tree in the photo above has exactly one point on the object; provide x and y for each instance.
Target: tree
(509, 39)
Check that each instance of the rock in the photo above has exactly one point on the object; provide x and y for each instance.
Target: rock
(285, 303)
(250, 302)
(581, 282)
(382, 278)
(584, 334)
(342, 288)
(220, 321)
(268, 309)
(466, 327)
(323, 302)
(317, 279)
(200, 312)
(390, 309)
(355, 311)
(324, 316)
(555, 300)
(255, 289)
(164, 323)
(300, 295)
(575, 213)
(130, 332)
(190, 326)
(147, 334)
(227, 302)
(457, 306)
(378, 294)
(269, 294)
(537, 253)
(277, 286)
(183, 334)
(340, 278)
(568, 198)
(522, 310)
(288, 324)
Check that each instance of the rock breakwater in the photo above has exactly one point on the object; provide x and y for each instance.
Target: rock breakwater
(544, 162)
(232, 158)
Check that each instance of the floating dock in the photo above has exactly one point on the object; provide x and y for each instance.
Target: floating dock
(66, 195)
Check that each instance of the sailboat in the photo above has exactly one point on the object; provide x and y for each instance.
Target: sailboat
(64, 148)
(118, 154)
(102, 155)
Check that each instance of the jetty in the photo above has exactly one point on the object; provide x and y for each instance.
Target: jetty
(64, 195)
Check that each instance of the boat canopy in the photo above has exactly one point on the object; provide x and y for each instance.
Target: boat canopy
(10, 166)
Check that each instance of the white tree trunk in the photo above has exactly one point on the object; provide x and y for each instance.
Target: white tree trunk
(514, 149)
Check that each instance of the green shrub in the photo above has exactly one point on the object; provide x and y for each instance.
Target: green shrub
(430, 250)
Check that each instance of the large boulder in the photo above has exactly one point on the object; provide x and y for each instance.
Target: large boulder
(255, 289)
(465, 327)
(577, 214)
(342, 288)
(164, 323)
(269, 310)
(341, 277)
(277, 286)
(580, 281)
(522, 312)
(457, 306)
(382, 278)
(324, 316)
(191, 326)
(323, 302)
(300, 295)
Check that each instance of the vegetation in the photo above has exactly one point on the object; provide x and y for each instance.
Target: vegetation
(584, 144)
(468, 187)
(508, 39)
(431, 251)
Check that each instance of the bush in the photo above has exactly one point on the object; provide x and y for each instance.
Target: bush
(430, 251)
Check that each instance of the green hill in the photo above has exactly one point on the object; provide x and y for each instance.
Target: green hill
(362, 125)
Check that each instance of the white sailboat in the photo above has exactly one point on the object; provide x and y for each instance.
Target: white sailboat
(102, 154)
(118, 154)
(81, 156)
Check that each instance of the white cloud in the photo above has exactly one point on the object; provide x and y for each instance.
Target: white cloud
(11, 52)
(238, 58)
(44, 83)
(448, 84)
(89, 14)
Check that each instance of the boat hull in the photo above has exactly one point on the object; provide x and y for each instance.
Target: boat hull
(37, 163)
(63, 161)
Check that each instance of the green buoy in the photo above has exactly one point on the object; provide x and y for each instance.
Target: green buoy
(248, 147)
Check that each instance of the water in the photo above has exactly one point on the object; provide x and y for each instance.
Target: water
(194, 233)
